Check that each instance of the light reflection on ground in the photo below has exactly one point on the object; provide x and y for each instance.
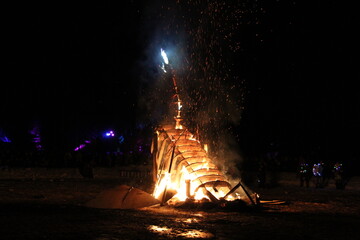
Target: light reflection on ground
(161, 230)
(192, 233)
(187, 220)
(63, 199)
(196, 234)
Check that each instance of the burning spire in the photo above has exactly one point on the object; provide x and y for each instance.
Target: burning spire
(166, 65)
(182, 167)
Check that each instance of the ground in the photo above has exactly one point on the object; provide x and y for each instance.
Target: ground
(53, 209)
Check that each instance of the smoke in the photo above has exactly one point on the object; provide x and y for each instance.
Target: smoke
(202, 43)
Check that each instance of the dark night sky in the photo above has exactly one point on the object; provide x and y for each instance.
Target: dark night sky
(79, 68)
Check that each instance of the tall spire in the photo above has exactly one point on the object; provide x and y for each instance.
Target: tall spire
(166, 66)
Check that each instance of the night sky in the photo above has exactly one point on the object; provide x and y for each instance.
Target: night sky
(281, 73)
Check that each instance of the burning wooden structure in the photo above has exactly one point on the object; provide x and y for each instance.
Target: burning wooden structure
(183, 170)
(182, 167)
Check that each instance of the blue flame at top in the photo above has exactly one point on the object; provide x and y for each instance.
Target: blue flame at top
(164, 56)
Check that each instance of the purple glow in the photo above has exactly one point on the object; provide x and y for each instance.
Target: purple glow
(110, 134)
(79, 147)
(35, 131)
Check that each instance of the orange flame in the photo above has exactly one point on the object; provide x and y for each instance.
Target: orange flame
(184, 167)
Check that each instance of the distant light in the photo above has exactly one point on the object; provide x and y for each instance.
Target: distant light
(121, 139)
(36, 138)
(39, 147)
(110, 134)
(79, 147)
(5, 139)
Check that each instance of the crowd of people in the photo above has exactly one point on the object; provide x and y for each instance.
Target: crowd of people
(309, 173)
(321, 173)
(318, 174)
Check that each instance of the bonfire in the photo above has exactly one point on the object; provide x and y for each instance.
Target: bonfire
(183, 171)
(182, 167)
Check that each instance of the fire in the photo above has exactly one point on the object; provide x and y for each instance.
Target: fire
(206, 148)
(183, 168)
(164, 56)
(178, 124)
(162, 184)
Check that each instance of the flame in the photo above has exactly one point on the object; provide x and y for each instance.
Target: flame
(193, 173)
(162, 185)
(182, 191)
(192, 137)
(206, 148)
(178, 124)
(182, 164)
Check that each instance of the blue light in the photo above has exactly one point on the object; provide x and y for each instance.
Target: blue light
(110, 134)
(5, 139)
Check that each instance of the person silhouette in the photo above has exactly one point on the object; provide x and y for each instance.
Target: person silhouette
(304, 173)
(318, 174)
(338, 175)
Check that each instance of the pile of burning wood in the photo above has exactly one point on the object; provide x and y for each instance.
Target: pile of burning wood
(184, 171)
(182, 167)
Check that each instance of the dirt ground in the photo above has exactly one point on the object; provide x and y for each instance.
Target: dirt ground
(53, 209)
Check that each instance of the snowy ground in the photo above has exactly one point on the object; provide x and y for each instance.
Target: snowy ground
(53, 209)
